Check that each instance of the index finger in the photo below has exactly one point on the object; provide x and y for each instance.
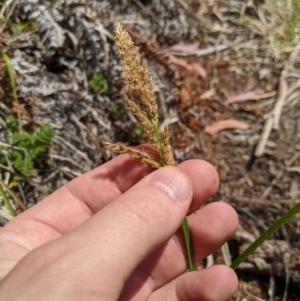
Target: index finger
(77, 201)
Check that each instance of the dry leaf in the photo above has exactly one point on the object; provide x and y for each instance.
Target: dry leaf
(226, 124)
(243, 96)
(185, 97)
(207, 94)
(177, 61)
(194, 67)
(199, 70)
(183, 48)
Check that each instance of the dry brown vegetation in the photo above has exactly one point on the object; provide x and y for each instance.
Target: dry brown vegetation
(227, 78)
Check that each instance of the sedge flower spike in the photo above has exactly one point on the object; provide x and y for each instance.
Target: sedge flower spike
(141, 100)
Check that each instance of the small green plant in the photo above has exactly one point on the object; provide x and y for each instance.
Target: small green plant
(117, 111)
(138, 133)
(18, 28)
(290, 27)
(23, 151)
(142, 102)
(25, 148)
(101, 85)
(12, 123)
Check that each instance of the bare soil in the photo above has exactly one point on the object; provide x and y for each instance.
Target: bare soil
(201, 53)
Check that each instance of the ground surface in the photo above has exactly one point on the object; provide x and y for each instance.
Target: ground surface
(212, 61)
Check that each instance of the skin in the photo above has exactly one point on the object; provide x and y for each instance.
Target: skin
(112, 234)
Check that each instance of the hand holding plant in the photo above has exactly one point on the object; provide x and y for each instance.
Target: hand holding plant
(111, 234)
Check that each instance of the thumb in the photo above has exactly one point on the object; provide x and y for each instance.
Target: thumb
(144, 217)
(101, 254)
(139, 221)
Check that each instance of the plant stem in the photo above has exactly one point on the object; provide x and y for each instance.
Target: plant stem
(158, 137)
(271, 230)
(6, 202)
(188, 244)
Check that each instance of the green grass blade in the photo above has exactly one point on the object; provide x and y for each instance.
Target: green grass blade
(27, 24)
(8, 14)
(278, 224)
(10, 72)
(6, 202)
(189, 244)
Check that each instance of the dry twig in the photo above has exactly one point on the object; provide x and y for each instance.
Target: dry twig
(273, 120)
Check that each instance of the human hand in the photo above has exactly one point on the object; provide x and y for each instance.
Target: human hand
(112, 234)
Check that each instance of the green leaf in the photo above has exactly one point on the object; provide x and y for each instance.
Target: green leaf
(26, 147)
(101, 85)
(12, 123)
(10, 72)
(270, 231)
(23, 164)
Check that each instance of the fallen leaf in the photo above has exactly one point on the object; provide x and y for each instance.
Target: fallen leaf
(194, 67)
(185, 97)
(226, 124)
(243, 96)
(177, 61)
(207, 94)
(199, 70)
(183, 48)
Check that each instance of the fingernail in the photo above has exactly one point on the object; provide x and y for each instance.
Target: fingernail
(174, 182)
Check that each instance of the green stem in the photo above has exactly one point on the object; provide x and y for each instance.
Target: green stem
(6, 202)
(278, 224)
(188, 244)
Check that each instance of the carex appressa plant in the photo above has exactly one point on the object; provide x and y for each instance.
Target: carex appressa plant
(141, 100)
